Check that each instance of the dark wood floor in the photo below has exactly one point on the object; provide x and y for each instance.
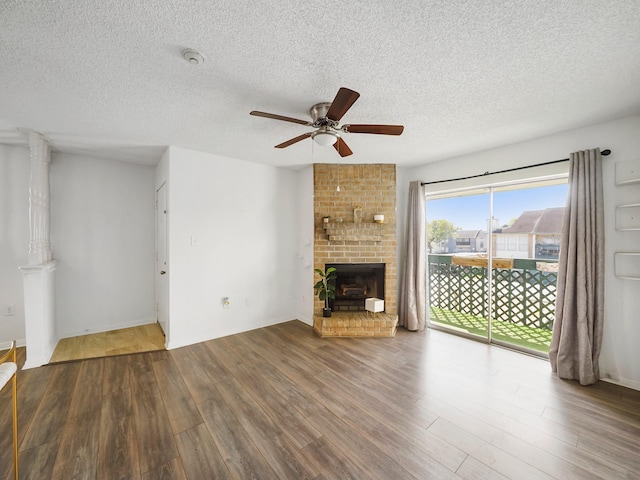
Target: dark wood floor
(279, 402)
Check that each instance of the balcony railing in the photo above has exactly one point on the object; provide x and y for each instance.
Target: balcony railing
(522, 295)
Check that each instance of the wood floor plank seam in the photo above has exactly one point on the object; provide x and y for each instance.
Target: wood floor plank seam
(280, 402)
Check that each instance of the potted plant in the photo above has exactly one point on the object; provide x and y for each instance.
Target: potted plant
(326, 288)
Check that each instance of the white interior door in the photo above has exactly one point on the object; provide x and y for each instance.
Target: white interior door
(162, 271)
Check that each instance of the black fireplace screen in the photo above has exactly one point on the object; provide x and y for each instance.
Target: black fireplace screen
(354, 283)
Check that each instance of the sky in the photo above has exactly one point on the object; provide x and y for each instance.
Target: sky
(472, 212)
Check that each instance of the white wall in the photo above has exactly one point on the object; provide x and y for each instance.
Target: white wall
(620, 357)
(232, 233)
(14, 238)
(103, 237)
(305, 274)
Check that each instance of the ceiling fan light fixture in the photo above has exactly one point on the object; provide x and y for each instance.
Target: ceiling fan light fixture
(325, 137)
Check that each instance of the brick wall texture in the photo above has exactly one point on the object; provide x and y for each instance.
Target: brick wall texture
(373, 188)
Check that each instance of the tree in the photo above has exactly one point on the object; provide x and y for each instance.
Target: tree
(511, 222)
(439, 231)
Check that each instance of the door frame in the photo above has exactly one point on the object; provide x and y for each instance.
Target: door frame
(489, 189)
(161, 265)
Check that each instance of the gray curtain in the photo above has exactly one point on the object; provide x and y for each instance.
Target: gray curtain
(577, 331)
(412, 300)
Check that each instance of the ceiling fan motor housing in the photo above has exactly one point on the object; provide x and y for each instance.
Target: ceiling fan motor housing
(319, 110)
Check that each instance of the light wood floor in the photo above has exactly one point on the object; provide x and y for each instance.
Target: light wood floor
(280, 402)
(144, 338)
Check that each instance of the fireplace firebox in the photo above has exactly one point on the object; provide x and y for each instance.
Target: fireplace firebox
(354, 283)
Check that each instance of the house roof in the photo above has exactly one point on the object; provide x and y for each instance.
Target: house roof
(548, 221)
(108, 78)
(468, 233)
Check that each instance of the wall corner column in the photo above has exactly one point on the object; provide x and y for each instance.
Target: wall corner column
(38, 275)
(39, 194)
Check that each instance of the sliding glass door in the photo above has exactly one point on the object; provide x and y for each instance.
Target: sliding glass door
(458, 244)
(492, 262)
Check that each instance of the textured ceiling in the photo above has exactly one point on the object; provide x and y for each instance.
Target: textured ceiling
(107, 77)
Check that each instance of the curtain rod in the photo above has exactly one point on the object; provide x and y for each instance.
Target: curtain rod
(604, 153)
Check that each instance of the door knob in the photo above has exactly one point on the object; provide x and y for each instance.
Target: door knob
(162, 272)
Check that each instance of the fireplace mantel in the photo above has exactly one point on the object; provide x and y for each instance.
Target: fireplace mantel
(354, 232)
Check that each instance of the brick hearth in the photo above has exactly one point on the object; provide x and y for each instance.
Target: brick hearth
(356, 324)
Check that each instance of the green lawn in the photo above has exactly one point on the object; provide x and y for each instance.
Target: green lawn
(529, 337)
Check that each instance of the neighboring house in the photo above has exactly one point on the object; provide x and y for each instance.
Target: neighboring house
(535, 234)
(468, 241)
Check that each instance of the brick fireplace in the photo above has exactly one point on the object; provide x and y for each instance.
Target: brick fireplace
(353, 238)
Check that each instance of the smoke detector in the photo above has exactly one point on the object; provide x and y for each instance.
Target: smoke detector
(193, 57)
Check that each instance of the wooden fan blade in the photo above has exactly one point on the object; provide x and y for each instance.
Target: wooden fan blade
(342, 148)
(279, 117)
(343, 101)
(376, 129)
(294, 140)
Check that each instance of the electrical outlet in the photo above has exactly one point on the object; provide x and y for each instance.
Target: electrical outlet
(226, 302)
(7, 310)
